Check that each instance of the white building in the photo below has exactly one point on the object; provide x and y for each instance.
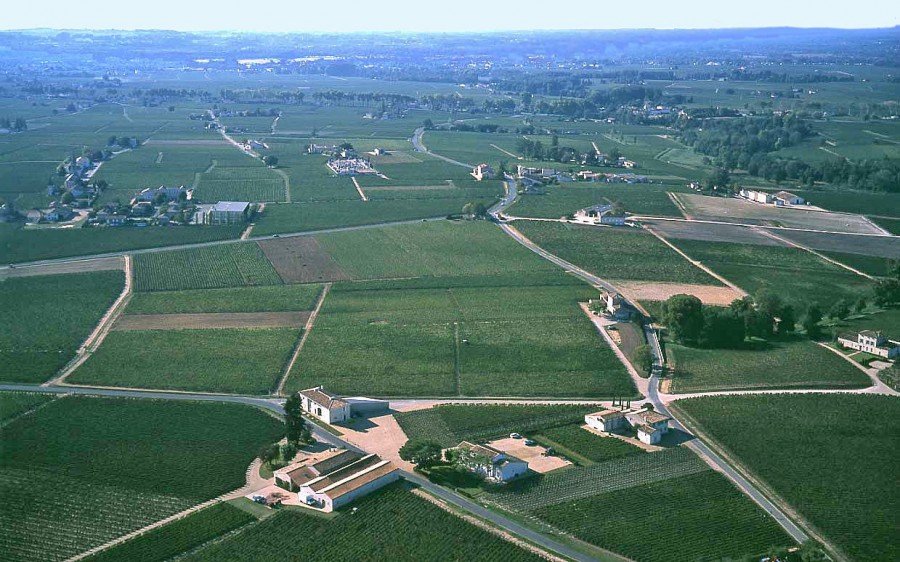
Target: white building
(324, 405)
(606, 420)
(489, 462)
(872, 342)
(227, 212)
(787, 198)
(757, 196)
(482, 172)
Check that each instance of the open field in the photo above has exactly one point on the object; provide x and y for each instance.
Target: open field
(449, 424)
(710, 518)
(711, 232)
(179, 536)
(45, 319)
(891, 225)
(862, 202)
(228, 265)
(301, 259)
(853, 498)
(740, 210)
(584, 443)
(796, 275)
(79, 266)
(876, 246)
(390, 524)
(777, 364)
(207, 320)
(708, 294)
(565, 199)
(244, 361)
(21, 245)
(878, 267)
(122, 463)
(614, 253)
(267, 298)
(484, 341)
(13, 404)
(246, 183)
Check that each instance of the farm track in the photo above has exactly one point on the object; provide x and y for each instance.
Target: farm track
(815, 253)
(307, 328)
(359, 189)
(419, 145)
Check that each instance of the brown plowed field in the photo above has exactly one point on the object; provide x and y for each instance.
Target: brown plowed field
(301, 259)
(650, 291)
(211, 320)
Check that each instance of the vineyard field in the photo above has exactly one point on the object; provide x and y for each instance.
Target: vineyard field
(13, 404)
(227, 265)
(271, 298)
(592, 447)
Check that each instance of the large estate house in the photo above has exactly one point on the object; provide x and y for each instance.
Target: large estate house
(872, 342)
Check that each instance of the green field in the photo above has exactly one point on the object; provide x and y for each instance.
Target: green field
(46, 318)
(775, 364)
(391, 524)
(614, 253)
(20, 245)
(122, 463)
(842, 440)
(274, 298)
(450, 424)
(873, 265)
(179, 536)
(225, 265)
(565, 199)
(478, 341)
(587, 446)
(13, 404)
(242, 361)
(799, 277)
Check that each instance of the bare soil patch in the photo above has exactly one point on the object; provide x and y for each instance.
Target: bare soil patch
(301, 259)
(651, 291)
(211, 320)
(80, 266)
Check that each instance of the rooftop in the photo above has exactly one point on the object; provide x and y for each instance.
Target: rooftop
(231, 206)
(323, 398)
(607, 414)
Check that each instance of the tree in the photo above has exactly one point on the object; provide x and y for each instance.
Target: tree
(722, 327)
(788, 320)
(861, 303)
(428, 124)
(268, 453)
(421, 453)
(270, 161)
(840, 309)
(811, 322)
(296, 430)
(718, 178)
(683, 316)
(643, 358)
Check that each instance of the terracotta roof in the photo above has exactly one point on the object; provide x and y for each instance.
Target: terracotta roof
(323, 398)
(489, 452)
(323, 482)
(651, 417)
(607, 414)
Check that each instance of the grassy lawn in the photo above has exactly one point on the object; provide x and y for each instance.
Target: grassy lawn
(123, 463)
(228, 265)
(46, 318)
(390, 524)
(242, 361)
(450, 424)
(494, 341)
(274, 298)
(842, 440)
(614, 253)
(776, 364)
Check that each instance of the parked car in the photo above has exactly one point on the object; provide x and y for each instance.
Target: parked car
(530, 442)
(515, 436)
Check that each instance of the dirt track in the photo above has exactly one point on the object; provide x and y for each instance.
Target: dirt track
(651, 291)
(211, 320)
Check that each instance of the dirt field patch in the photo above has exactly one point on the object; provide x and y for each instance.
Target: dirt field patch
(211, 320)
(301, 259)
(80, 266)
(650, 291)
(533, 455)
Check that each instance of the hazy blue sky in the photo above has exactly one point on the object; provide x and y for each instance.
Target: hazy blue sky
(437, 15)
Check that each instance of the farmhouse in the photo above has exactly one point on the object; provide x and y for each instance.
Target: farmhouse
(489, 462)
(227, 212)
(162, 193)
(601, 214)
(334, 480)
(650, 426)
(872, 342)
(787, 198)
(613, 305)
(757, 196)
(331, 408)
(482, 172)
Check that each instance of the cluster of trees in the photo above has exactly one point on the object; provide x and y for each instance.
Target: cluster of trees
(423, 454)
(121, 142)
(297, 433)
(879, 175)
(762, 316)
(17, 124)
(534, 149)
(887, 291)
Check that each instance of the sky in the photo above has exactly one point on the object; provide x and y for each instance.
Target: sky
(443, 16)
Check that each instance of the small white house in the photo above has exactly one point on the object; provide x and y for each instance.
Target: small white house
(870, 341)
(489, 462)
(324, 405)
(651, 426)
(606, 420)
(757, 196)
(482, 172)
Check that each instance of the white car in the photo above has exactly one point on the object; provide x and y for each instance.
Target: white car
(515, 436)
